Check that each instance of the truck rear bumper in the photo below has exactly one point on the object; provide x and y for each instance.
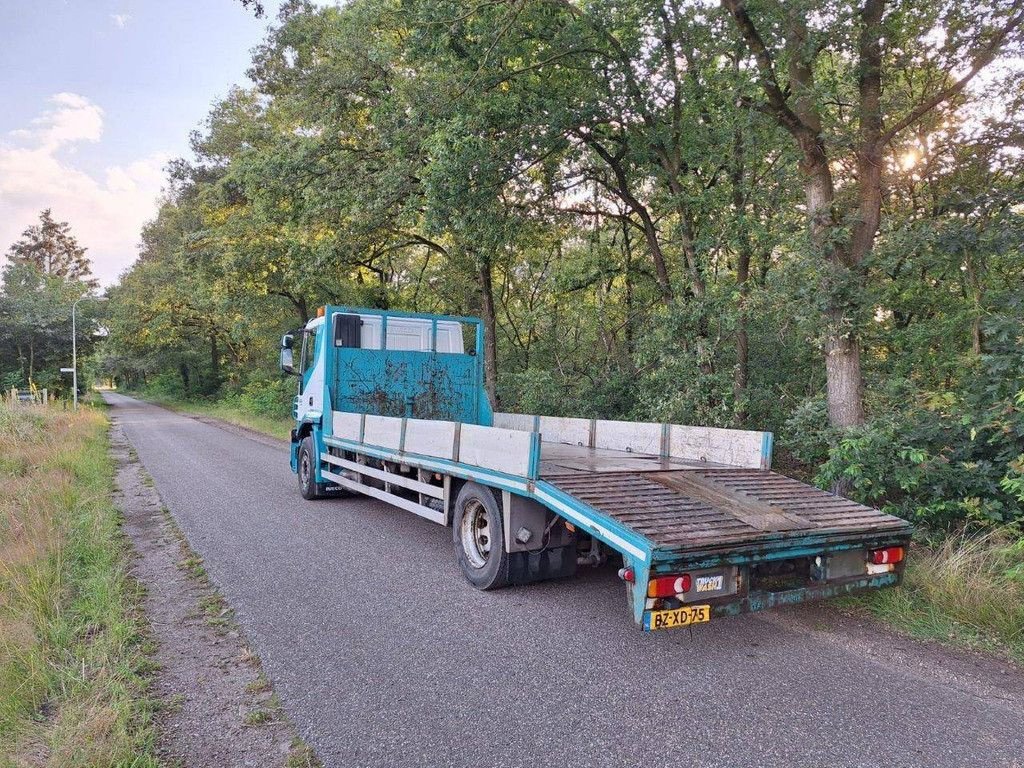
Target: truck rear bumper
(735, 605)
(759, 601)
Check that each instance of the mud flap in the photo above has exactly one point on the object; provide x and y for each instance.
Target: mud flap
(542, 564)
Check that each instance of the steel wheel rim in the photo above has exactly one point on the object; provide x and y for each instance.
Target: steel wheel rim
(475, 534)
(304, 470)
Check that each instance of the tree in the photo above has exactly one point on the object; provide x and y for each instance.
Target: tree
(54, 251)
(612, 186)
(846, 83)
(35, 325)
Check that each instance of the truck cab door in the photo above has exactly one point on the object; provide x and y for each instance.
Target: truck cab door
(311, 387)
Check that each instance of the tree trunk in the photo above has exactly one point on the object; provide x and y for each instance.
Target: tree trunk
(628, 328)
(490, 331)
(214, 363)
(742, 369)
(977, 332)
(843, 378)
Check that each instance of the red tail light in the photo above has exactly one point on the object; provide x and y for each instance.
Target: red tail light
(888, 555)
(669, 586)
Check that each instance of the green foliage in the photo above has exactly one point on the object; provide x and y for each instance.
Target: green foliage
(632, 232)
(809, 436)
(51, 248)
(35, 326)
(947, 457)
(268, 397)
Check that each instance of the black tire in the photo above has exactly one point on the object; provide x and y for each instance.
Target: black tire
(308, 486)
(479, 538)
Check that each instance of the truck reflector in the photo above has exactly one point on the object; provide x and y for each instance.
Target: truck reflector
(669, 586)
(887, 555)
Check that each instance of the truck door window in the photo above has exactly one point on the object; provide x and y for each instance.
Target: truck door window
(308, 356)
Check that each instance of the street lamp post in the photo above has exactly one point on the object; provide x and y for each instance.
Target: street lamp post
(74, 347)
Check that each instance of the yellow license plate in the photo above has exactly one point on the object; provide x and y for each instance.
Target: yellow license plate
(677, 617)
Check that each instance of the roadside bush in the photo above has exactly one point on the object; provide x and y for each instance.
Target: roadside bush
(268, 397)
(932, 467)
(943, 459)
(166, 385)
(807, 433)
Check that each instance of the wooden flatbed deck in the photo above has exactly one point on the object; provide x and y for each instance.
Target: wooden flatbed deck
(679, 504)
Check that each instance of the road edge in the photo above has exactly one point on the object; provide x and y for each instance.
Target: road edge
(230, 691)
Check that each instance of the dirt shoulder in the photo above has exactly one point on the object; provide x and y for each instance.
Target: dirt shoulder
(216, 706)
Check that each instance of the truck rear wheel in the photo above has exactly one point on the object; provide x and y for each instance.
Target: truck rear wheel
(479, 537)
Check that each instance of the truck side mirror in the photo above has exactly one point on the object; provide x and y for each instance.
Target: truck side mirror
(287, 362)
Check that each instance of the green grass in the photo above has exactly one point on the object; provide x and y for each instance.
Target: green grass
(73, 644)
(301, 755)
(967, 591)
(270, 712)
(230, 411)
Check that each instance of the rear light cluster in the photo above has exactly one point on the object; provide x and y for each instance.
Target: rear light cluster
(669, 586)
(886, 556)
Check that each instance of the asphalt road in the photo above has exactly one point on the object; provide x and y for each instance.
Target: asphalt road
(384, 656)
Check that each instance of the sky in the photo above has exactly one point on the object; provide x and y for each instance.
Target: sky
(96, 96)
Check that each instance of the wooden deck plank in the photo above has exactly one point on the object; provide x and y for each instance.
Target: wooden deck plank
(679, 507)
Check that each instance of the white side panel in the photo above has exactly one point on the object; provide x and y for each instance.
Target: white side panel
(632, 436)
(408, 333)
(383, 431)
(430, 438)
(562, 429)
(449, 337)
(369, 332)
(521, 421)
(736, 447)
(503, 450)
(553, 429)
(346, 425)
(411, 333)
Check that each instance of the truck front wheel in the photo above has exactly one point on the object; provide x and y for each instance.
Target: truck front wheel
(479, 537)
(307, 470)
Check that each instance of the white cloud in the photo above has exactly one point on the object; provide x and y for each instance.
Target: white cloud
(106, 211)
(71, 118)
(120, 19)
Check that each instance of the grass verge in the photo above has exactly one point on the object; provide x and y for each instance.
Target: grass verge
(967, 591)
(73, 643)
(229, 411)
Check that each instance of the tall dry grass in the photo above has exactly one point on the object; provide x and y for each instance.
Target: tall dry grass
(968, 589)
(72, 641)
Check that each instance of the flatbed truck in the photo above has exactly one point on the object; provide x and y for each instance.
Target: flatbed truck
(392, 405)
